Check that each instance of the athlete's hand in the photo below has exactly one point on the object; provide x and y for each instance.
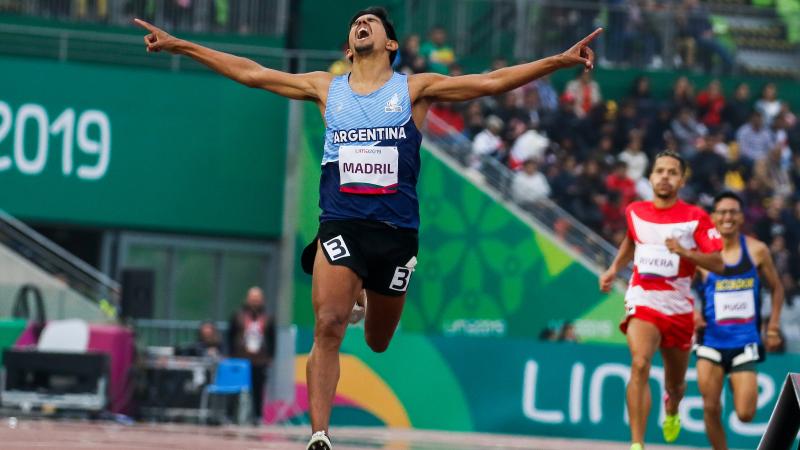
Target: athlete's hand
(158, 39)
(607, 280)
(699, 321)
(581, 53)
(674, 246)
(774, 341)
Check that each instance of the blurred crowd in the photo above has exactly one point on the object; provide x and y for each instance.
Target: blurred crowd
(591, 155)
(643, 33)
(238, 16)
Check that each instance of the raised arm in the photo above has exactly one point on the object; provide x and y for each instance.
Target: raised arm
(441, 88)
(624, 256)
(307, 86)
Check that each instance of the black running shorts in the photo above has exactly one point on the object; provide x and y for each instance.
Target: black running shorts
(733, 359)
(382, 255)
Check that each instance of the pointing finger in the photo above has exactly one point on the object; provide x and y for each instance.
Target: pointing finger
(591, 37)
(145, 25)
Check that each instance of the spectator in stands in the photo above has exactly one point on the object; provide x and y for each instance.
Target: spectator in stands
(548, 97)
(251, 335)
(529, 186)
(437, 52)
(737, 110)
(618, 182)
(634, 157)
(737, 172)
(628, 119)
(754, 139)
(208, 344)
(657, 129)
(642, 97)
(533, 107)
(474, 121)
(774, 174)
(710, 104)
(588, 195)
(488, 143)
(411, 61)
(708, 172)
(585, 92)
(451, 121)
(768, 105)
(641, 40)
(561, 176)
(682, 95)
(567, 333)
(700, 29)
(564, 122)
(687, 131)
(510, 107)
(528, 144)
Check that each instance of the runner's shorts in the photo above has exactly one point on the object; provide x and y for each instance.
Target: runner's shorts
(733, 359)
(676, 330)
(382, 255)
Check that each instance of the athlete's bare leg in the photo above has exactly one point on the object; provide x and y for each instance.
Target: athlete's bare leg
(643, 341)
(676, 362)
(745, 394)
(333, 292)
(383, 315)
(710, 380)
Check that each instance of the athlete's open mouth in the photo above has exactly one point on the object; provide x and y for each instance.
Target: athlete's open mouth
(362, 33)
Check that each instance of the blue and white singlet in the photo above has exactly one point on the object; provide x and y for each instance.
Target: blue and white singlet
(732, 305)
(371, 161)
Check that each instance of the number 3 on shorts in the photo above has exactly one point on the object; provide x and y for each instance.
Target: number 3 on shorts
(336, 248)
(402, 275)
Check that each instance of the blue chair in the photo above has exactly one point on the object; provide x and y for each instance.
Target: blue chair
(232, 377)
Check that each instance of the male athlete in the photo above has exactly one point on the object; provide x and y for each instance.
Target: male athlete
(728, 326)
(667, 239)
(368, 228)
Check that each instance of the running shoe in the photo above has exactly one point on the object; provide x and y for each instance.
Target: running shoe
(637, 446)
(319, 441)
(672, 425)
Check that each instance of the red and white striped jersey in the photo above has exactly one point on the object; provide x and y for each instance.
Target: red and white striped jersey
(662, 280)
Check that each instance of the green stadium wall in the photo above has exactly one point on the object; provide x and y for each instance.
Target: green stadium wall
(517, 386)
(184, 152)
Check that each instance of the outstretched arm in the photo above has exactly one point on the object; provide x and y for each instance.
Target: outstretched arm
(441, 88)
(624, 256)
(307, 86)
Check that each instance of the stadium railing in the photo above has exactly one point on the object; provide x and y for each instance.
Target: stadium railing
(261, 17)
(59, 267)
(128, 50)
(497, 176)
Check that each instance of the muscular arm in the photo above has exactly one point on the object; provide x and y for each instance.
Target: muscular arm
(437, 88)
(766, 268)
(308, 86)
(623, 258)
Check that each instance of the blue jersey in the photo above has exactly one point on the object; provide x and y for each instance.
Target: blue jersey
(732, 305)
(371, 162)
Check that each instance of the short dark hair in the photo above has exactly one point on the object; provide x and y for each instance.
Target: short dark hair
(670, 154)
(728, 194)
(381, 13)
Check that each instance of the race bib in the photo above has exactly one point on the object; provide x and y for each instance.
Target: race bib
(734, 306)
(652, 259)
(368, 170)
